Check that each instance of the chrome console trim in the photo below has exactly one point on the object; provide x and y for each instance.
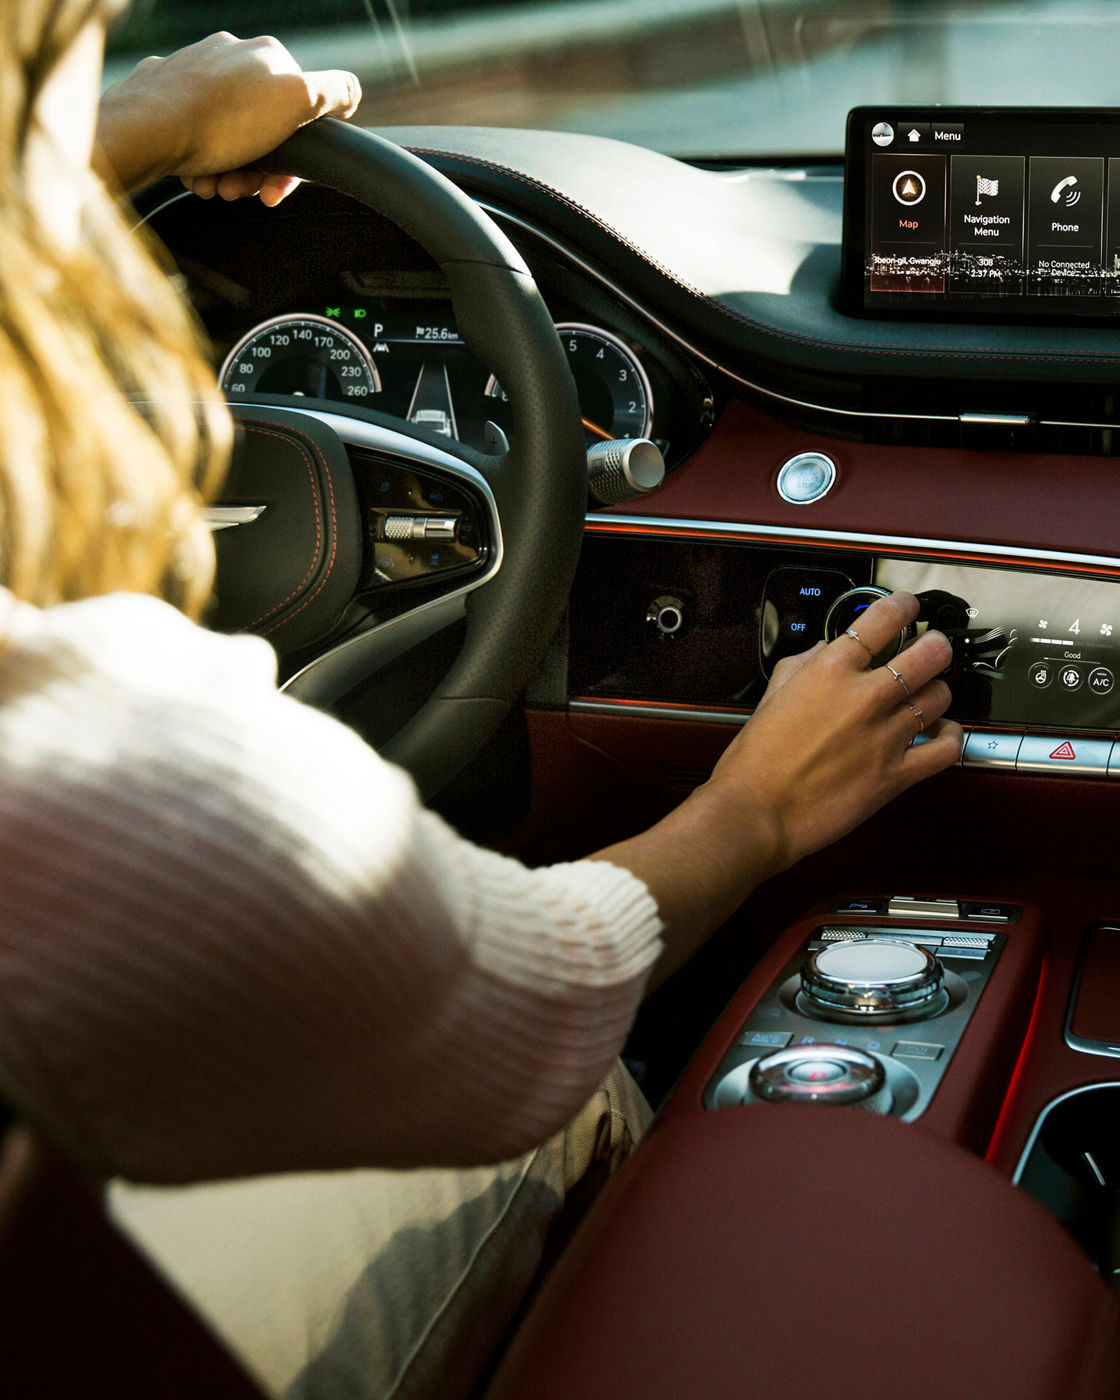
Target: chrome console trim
(795, 534)
(655, 711)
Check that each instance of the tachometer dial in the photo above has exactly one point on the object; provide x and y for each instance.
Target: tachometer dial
(615, 398)
(307, 355)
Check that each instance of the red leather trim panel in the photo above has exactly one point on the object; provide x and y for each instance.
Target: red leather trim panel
(1019, 499)
(835, 1255)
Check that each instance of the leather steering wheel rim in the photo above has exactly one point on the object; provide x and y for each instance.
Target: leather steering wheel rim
(540, 486)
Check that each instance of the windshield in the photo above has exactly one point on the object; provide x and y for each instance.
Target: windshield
(712, 79)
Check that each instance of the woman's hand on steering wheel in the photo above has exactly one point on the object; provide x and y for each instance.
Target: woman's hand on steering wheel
(207, 112)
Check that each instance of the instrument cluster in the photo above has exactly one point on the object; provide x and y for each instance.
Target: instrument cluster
(406, 358)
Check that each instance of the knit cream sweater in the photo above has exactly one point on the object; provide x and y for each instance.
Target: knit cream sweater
(232, 941)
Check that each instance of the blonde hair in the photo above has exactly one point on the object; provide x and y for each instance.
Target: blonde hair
(97, 493)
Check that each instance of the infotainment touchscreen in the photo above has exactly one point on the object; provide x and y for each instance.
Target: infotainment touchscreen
(983, 211)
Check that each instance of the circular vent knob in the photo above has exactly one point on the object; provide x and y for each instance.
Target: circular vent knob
(817, 1074)
(872, 979)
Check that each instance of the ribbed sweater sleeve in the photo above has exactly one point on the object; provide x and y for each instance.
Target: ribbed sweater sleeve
(232, 941)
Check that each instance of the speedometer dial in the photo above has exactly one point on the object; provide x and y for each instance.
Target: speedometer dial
(306, 355)
(615, 399)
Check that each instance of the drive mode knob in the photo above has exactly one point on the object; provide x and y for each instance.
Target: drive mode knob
(818, 1074)
(872, 979)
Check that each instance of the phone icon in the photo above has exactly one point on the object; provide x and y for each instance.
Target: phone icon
(1072, 193)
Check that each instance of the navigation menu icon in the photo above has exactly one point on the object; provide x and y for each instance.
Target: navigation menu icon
(986, 224)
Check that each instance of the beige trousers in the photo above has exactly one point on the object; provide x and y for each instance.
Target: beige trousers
(366, 1285)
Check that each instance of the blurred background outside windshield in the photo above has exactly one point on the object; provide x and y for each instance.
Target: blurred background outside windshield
(698, 78)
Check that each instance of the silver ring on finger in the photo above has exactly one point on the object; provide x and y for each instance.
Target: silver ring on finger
(851, 632)
(900, 678)
(918, 716)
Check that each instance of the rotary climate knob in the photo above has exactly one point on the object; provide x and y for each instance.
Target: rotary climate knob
(846, 612)
(872, 979)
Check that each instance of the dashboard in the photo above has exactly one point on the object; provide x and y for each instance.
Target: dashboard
(812, 453)
(701, 308)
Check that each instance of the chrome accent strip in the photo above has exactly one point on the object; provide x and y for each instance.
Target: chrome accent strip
(668, 711)
(1024, 1156)
(227, 517)
(1000, 420)
(341, 668)
(1079, 1042)
(886, 542)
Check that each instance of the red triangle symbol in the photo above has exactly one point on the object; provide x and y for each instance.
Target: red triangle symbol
(1065, 750)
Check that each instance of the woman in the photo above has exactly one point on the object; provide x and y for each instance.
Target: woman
(233, 942)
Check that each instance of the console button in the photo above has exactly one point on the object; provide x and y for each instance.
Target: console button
(908, 906)
(989, 913)
(795, 604)
(1043, 753)
(991, 750)
(965, 954)
(861, 906)
(770, 1040)
(916, 1050)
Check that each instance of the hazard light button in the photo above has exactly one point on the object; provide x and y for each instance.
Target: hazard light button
(1047, 753)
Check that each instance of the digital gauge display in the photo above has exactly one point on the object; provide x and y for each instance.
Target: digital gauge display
(303, 355)
(409, 361)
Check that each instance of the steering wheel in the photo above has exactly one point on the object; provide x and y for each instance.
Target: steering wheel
(538, 488)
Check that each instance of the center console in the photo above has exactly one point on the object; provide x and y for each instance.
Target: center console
(781, 1213)
(867, 1014)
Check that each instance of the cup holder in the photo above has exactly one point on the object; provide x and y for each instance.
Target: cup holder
(1072, 1167)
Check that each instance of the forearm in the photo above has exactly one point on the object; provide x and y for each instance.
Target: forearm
(130, 152)
(700, 863)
